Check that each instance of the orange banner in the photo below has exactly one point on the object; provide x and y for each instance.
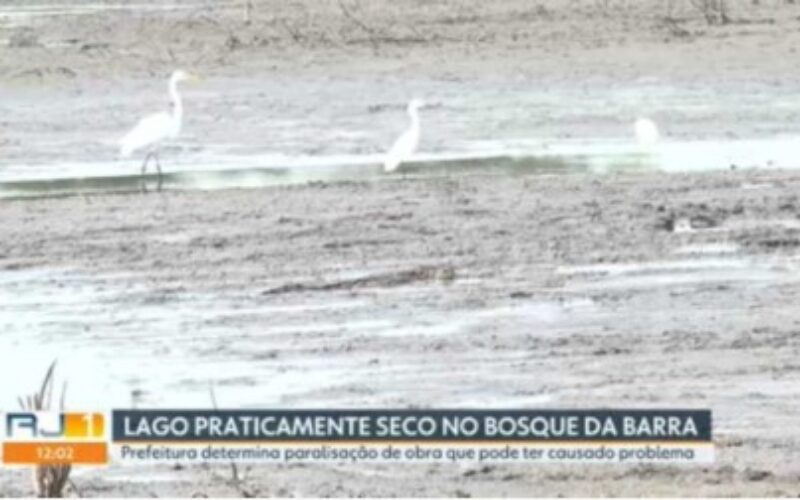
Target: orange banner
(39, 453)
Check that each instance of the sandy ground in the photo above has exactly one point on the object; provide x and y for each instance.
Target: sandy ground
(567, 290)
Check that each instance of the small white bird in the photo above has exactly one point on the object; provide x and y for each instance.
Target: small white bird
(405, 145)
(153, 130)
(646, 132)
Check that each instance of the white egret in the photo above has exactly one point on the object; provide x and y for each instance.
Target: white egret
(646, 132)
(406, 144)
(153, 130)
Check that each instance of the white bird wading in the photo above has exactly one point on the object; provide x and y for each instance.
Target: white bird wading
(152, 130)
(406, 145)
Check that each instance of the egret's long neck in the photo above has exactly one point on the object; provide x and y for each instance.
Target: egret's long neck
(177, 103)
(414, 114)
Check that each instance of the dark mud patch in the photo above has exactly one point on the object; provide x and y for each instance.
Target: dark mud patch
(441, 274)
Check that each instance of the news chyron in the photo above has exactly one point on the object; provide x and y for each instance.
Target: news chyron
(38, 438)
(353, 436)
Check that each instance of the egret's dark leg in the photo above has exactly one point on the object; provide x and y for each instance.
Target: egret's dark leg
(144, 171)
(160, 175)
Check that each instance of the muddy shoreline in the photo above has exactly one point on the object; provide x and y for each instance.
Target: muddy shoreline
(305, 80)
(546, 267)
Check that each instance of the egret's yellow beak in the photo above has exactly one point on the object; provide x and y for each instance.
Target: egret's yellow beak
(191, 77)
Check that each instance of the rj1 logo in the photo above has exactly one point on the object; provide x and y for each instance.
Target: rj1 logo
(54, 426)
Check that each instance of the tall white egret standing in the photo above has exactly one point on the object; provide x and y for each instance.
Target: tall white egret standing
(646, 132)
(405, 145)
(153, 130)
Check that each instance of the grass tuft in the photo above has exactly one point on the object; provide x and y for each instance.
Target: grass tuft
(49, 480)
